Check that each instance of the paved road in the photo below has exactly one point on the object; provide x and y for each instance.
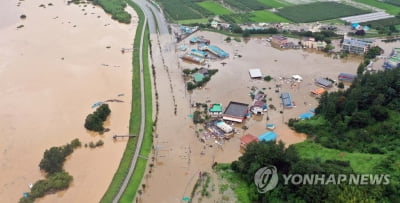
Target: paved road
(152, 15)
(149, 9)
(142, 121)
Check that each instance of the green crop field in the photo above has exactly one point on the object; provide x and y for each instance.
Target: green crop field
(387, 7)
(247, 5)
(183, 9)
(318, 11)
(214, 7)
(382, 23)
(191, 21)
(274, 3)
(267, 17)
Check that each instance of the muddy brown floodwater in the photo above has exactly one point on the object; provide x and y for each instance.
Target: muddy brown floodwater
(178, 158)
(51, 72)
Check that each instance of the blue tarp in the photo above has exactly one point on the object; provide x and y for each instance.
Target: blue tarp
(268, 136)
(307, 115)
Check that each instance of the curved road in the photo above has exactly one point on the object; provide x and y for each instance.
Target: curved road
(152, 14)
(149, 9)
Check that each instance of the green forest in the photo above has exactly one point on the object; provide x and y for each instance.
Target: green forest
(290, 161)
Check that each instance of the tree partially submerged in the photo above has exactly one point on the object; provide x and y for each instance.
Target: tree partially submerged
(94, 121)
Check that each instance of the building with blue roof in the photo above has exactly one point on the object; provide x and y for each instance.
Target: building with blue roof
(217, 51)
(198, 53)
(267, 136)
(355, 25)
(287, 100)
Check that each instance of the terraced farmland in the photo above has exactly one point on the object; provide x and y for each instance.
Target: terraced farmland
(214, 7)
(318, 11)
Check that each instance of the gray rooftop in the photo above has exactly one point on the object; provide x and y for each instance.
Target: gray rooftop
(236, 109)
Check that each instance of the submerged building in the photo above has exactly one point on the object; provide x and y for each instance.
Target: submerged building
(356, 46)
(393, 61)
(217, 51)
(235, 111)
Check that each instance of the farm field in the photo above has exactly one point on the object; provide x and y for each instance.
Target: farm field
(246, 5)
(192, 21)
(383, 22)
(318, 11)
(274, 3)
(392, 9)
(266, 16)
(183, 9)
(214, 7)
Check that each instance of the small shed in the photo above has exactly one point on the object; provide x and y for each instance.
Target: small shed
(270, 126)
(198, 77)
(267, 136)
(324, 82)
(215, 110)
(346, 77)
(247, 139)
(255, 73)
(318, 91)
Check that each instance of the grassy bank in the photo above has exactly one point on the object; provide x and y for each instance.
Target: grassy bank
(116, 8)
(135, 117)
(134, 183)
(360, 162)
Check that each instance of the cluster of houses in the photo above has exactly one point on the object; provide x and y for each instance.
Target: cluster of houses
(350, 45)
(203, 51)
(307, 43)
(220, 127)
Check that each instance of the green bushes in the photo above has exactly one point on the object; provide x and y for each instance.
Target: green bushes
(94, 121)
(53, 158)
(55, 182)
(116, 8)
(268, 78)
